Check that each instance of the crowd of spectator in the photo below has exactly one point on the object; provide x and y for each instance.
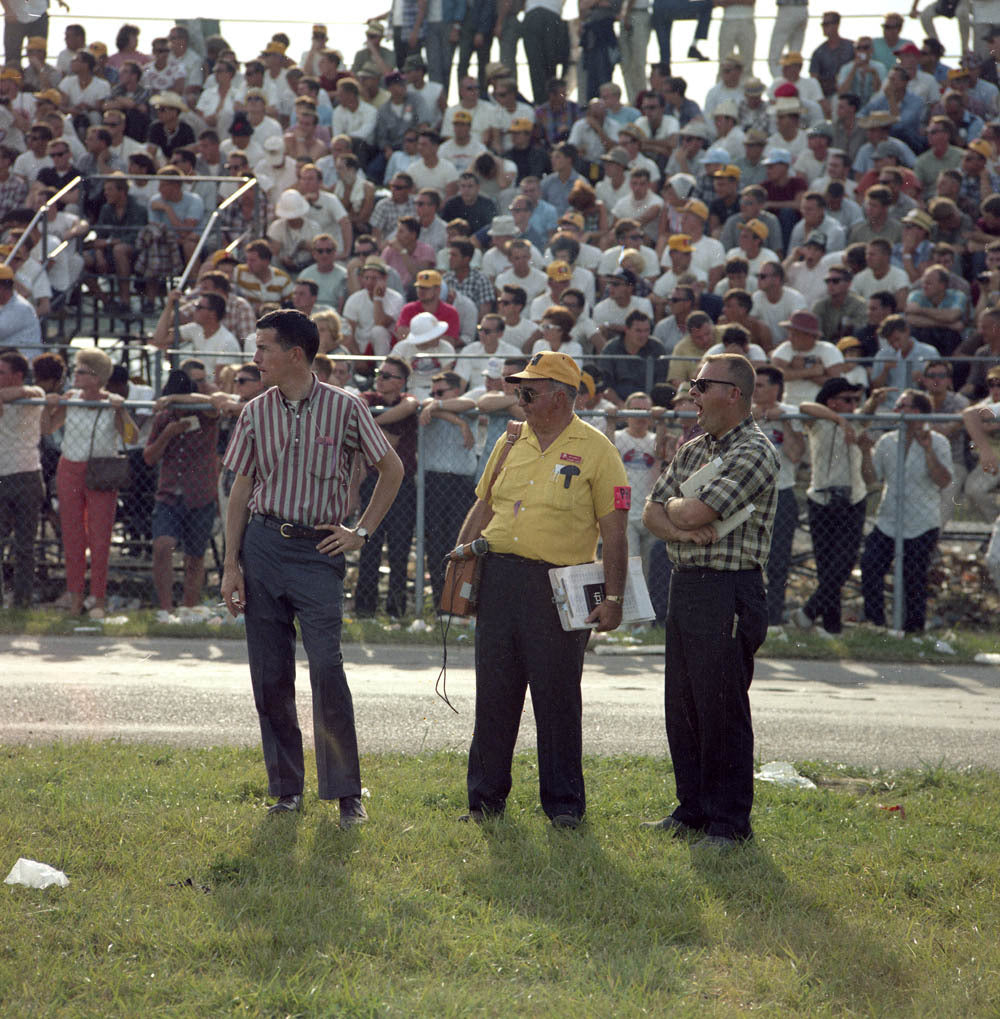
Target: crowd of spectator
(839, 225)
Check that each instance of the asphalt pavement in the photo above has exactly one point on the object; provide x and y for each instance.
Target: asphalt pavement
(197, 693)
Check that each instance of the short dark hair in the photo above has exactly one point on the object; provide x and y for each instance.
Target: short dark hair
(262, 248)
(517, 294)
(742, 297)
(217, 304)
(16, 362)
(398, 362)
(893, 324)
(736, 334)
(218, 279)
(775, 375)
(886, 298)
(465, 248)
(49, 366)
(637, 316)
(292, 329)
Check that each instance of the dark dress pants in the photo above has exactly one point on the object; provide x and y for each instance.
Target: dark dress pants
(836, 538)
(666, 12)
(716, 620)
(447, 500)
(396, 532)
(21, 497)
(546, 45)
(521, 644)
(786, 519)
(880, 549)
(287, 579)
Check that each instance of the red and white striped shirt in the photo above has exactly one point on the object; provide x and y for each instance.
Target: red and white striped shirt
(300, 456)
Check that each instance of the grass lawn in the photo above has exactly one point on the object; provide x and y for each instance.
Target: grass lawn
(840, 908)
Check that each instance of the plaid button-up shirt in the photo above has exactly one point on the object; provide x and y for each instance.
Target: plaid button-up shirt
(749, 474)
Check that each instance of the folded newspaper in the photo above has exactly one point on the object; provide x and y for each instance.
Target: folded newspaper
(578, 590)
(692, 487)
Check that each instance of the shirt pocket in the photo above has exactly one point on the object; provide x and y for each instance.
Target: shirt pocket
(323, 461)
(561, 491)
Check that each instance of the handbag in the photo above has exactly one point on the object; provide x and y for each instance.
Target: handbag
(460, 589)
(106, 473)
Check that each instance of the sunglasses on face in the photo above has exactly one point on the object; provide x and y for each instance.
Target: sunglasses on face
(242, 380)
(702, 384)
(526, 395)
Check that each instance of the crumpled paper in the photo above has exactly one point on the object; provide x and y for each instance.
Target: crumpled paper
(35, 875)
(784, 774)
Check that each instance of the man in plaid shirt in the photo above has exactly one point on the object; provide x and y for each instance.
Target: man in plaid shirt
(717, 611)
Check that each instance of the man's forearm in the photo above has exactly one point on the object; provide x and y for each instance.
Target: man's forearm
(390, 477)
(237, 515)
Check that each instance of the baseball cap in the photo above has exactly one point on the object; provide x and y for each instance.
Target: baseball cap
(558, 270)
(461, 116)
(680, 242)
(791, 58)
(756, 227)
(849, 343)
(494, 368)
(777, 156)
(428, 278)
(699, 208)
(730, 170)
(550, 364)
(716, 154)
(521, 124)
(836, 387)
(818, 238)
(6, 272)
(615, 155)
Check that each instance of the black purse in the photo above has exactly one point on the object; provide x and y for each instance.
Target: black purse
(106, 473)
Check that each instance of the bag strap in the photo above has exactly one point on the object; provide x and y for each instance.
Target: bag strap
(513, 434)
(93, 433)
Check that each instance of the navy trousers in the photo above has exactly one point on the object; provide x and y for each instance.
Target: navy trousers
(288, 580)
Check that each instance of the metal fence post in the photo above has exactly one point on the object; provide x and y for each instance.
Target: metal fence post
(418, 572)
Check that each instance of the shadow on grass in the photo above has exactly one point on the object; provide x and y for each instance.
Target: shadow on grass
(824, 958)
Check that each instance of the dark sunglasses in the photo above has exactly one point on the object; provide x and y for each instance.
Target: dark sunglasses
(528, 395)
(702, 384)
(387, 375)
(243, 380)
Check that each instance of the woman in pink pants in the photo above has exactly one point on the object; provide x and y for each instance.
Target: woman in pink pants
(86, 516)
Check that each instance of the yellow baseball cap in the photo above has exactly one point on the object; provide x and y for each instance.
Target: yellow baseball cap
(558, 270)
(550, 364)
(428, 278)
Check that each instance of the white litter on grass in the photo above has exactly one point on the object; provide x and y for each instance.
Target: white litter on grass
(207, 614)
(987, 658)
(784, 774)
(33, 874)
(942, 647)
(418, 626)
(115, 620)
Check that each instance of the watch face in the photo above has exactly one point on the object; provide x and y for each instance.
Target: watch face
(361, 532)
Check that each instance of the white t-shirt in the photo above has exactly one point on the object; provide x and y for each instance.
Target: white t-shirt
(360, 311)
(471, 368)
(771, 314)
(865, 284)
(425, 362)
(641, 468)
(821, 352)
(774, 430)
(438, 177)
(221, 343)
(535, 283)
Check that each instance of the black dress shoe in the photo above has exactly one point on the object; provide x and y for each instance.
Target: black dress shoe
(570, 821)
(352, 811)
(676, 829)
(695, 54)
(286, 805)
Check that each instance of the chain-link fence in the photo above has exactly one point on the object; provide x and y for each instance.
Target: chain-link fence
(54, 526)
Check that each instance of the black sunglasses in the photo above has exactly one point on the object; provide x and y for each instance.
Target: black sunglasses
(528, 395)
(702, 384)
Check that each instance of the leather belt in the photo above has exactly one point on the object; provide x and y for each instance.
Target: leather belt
(290, 529)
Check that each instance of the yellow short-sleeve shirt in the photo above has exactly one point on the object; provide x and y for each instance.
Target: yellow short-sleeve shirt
(546, 504)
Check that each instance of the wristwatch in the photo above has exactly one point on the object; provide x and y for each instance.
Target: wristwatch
(362, 533)
(616, 598)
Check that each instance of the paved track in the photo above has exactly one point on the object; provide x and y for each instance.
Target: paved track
(198, 694)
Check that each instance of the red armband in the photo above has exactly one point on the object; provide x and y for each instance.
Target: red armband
(623, 497)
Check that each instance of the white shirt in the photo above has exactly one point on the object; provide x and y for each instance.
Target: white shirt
(221, 343)
(471, 368)
(865, 284)
(460, 156)
(535, 283)
(425, 362)
(641, 468)
(438, 177)
(771, 314)
(922, 503)
(607, 312)
(775, 431)
(821, 352)
(359, 123)
(359, 310)
(20, 430)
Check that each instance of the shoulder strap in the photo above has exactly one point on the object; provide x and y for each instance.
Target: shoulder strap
(513, 434)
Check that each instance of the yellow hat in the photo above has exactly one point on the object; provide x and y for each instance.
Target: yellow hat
(98, 48)
(10, 74)
(558, 270)
(275, 47)
(982, 147)
(50, 95)
(755, 226)
(461, 117)
(680, 242)
(700, 209)
(791, 58)
(551, 364)
(217, 257)
(428, 278)
(319, 30)
(848, 343)
(521, 124)
(576, 218)
(6, 272)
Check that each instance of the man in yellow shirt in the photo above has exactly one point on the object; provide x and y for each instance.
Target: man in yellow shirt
(562, 486)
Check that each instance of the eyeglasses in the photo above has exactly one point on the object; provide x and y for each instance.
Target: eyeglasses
(833, 279)
(940, 375)
(519, 208)
(702, 384)
(388, 376)
(243, 380)
(678, 300)
(505, 300)
(526, 395)
(487, 330)
(324, 251)
(439, 392)
(399, 187)
(59, 152)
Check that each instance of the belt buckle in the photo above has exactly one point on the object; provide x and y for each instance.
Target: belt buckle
(283, 532)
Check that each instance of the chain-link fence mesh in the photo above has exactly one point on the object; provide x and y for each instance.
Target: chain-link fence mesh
(822, 541)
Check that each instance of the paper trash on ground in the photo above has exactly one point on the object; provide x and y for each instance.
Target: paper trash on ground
(784, 774)
(35, 875)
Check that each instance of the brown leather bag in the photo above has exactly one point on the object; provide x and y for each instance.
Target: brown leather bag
(460, 590)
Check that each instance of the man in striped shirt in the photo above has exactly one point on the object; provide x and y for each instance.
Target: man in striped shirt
(259, 281)
(292, 452)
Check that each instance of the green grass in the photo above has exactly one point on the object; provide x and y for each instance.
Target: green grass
(840, 908)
